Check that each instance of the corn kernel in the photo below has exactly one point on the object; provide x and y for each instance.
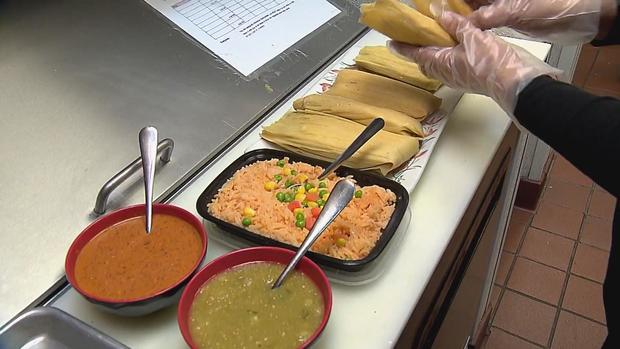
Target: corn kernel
(301, 190)
(298, 210)
(312, 204)
(249, 212)
(300, 197)
(269, 186)
(302, 177)
(325, 197)
(286, 171)
(313, 190)
(341, 242)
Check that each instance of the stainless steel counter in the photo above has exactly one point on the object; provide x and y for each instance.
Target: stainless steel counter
(78, 79)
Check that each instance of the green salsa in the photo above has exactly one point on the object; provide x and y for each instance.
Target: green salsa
(238, 309)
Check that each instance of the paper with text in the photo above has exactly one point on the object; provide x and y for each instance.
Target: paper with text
(247, 33)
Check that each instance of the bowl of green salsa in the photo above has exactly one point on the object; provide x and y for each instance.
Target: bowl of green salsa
(230, 302)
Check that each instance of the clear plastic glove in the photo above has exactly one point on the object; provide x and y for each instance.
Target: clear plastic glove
(562, 21)
(480, 63)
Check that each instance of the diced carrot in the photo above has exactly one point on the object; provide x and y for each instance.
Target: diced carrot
(293, 205)
(315, 211)
(310, 222)
(312, 196)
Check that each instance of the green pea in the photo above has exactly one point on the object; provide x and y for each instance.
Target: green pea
(308, 186)
(300, 216)
(304, 203)
(358, 194)
(300, 223)
(293, 173)
(288, 197)
(322, 185)
(277, 178)
(323, 193)
(320, 202)
(281, 163)
(246, 221)
(288, 183)
(281, 196)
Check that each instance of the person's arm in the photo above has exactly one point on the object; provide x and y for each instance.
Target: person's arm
(584, 128)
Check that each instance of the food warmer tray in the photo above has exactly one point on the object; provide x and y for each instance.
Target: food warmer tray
(51, 328)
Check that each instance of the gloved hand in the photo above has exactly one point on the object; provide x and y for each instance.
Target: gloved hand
(480, 63)
(562, 21)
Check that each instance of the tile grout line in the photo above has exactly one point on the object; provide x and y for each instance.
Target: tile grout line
(518, 336)
(568, 270)
(512, 263)
(503, 287)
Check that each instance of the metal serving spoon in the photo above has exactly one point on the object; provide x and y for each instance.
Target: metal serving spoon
(148, 151)
(338, 199)
(375, 126)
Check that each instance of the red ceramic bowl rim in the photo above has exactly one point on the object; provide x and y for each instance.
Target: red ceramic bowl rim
(167, 209)
(324, 285)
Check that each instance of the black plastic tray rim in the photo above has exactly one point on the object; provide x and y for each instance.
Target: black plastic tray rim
(361, 177)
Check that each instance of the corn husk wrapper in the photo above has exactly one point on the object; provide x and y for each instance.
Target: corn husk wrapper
(395, 122)
(325, 136)
(405, 24)
(385, 93)
(379, 59)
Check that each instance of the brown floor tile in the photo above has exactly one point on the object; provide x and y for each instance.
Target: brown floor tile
(585, 298)
(520, 215)
(602, 205)
(516, 230)
(547, 248)
(590, 263)
(557, 219)
(596, 232)
(573, 331)
(537, 280)
(605, 73)
(499, 339)
(505, 262)
(567, 195)
(585, 63)
(525, 317)
(564, 171)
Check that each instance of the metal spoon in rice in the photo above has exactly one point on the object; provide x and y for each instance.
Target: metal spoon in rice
(338, 199)
(375, 126)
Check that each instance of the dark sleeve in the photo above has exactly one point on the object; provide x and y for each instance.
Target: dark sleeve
(613, 37)
(582, 127)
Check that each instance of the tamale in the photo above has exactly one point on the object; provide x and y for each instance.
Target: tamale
(423, 6)
(395, 122)
(403, 23)
(324, 136)
(384, 92)
(380, 60)
(460, 7)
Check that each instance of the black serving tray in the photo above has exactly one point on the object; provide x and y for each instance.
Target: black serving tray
(362, 178)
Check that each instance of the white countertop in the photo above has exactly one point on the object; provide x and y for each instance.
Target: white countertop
(380, 308)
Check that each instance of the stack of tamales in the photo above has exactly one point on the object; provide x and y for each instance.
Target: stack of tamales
(383, 85)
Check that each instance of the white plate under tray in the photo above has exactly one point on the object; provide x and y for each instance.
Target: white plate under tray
(409, 173)
(369, 273)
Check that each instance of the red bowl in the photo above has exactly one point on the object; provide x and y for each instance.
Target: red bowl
(134, 306)
(251, 255)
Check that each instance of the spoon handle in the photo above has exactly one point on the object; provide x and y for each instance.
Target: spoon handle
(148, 151)
(338, 199)
(375, 126)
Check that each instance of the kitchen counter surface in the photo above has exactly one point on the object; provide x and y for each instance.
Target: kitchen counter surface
(381, 308)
